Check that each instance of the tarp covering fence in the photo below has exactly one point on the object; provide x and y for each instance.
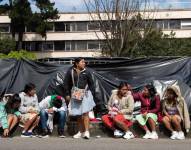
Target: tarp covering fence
(48, 77)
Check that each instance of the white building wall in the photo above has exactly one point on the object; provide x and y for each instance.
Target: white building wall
(183, 32)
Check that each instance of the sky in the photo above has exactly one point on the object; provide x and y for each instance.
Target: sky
(78, 5)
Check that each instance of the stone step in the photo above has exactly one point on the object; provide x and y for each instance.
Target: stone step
(97, 129)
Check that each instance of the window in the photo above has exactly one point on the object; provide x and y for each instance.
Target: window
(159, 24)
(59, 26)
(93, 26)
(174, 24)
(93, 45)
(81, 26)
(166, 24)
(47, 46)
(186, 24)
(33, 46)
(81, 45)
(59, 45)
(72, 26)
(4, 28)
(68, 46)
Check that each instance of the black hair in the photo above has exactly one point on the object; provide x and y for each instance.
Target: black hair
(12, 100)
(57, 103)
(29, 87)
(122, 84)
(77, 60)
(151, 89)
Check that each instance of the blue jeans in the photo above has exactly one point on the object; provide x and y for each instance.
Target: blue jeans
(44, 118)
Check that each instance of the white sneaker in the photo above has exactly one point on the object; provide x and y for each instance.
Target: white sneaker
(86, 135)
(78, 135)
(174, 135)
(128, 135)
(118, 133)
(180, 136)
(154, 135)
(147, 135)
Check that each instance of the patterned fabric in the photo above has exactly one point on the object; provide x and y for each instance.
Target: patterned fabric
(77, 108)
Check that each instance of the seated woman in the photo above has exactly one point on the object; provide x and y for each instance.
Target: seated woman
(176, 112)
(120, 106)
(9, 114)
(29, 110)
(49, 106)
(150, 108)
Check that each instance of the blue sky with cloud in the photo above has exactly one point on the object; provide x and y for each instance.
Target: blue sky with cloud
(78, 5)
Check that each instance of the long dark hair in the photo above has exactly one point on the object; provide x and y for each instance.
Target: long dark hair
(29, 87)
(12, 100)
(152, 91)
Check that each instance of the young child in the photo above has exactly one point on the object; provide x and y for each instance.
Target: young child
(29, 110)
(120, 106)
(9, 114)
(49, 106)
(175, 113)
(150, 110)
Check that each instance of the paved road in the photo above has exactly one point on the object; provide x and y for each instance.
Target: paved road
(53, 143)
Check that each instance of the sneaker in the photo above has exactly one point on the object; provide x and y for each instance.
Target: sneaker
(78, 135)
(44, 134)
(180, 136)
(174, 135)
(61, 133)
(154, 135)
(26, 134)
(118, 133)
(147, 135)
(86, 135)
(128, 135)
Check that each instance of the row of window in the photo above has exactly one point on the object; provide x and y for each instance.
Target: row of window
(63, 46)
(94, 26)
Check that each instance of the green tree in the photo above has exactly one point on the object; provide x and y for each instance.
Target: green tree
(7, 44)
(22, 16)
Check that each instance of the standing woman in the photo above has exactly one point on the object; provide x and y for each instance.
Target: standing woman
(29, 110)
(175, 113)
(9, 114)
(80, 90)
(150, 110)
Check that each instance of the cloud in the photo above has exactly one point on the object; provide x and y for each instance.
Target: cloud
(69, 5)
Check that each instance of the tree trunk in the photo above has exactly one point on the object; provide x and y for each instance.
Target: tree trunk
(20, 41)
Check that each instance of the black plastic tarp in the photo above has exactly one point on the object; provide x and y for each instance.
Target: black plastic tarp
(49, 77)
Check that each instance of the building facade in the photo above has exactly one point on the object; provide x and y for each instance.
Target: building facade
(73, 35)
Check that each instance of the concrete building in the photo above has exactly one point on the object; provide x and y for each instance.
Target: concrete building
(73, 34)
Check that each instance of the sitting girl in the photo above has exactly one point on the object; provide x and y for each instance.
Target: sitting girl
(120, 106)
(9, 114)
(150, 110)
(176, 112)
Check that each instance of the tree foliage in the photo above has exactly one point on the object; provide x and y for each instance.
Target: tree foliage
(19, 55)
(22, 16)
(7, 44)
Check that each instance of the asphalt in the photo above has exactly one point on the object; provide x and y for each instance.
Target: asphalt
(54, 143)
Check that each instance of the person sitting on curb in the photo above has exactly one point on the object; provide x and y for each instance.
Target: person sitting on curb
(9, 114)
(175, 112)
(29, 110)
(150, 110)
(120, 106)
(49, 106)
